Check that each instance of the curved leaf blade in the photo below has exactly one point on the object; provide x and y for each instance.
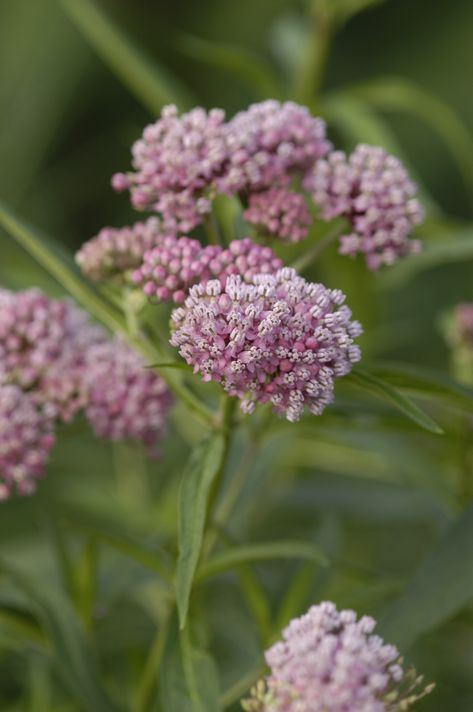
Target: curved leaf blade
(441, 587)
(152, 85)
(381, 389)
(265, 551)
(200, 473)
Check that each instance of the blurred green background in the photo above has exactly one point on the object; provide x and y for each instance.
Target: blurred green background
(379, 494)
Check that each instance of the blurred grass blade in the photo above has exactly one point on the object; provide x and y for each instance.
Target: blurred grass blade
(75, 662)
(249, 553)
(424, 383)
(152, 85)
(441, 587)
(454, 247)
(59, 266)
(199, 475)
(399, 94)
(189, 681)
(358, 123)
(377, 387)
(251, 69)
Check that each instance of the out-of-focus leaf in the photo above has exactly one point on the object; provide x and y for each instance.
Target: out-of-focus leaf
(377, 387)
(75, 662)
(201, 471)
(153, 85)
(189, 681)
(399, 94)
(358, 123)
(441, 587)
(424, 383)
(346, 9)
(60, 266)
(241, 63)
(454, 247)
(284, 549)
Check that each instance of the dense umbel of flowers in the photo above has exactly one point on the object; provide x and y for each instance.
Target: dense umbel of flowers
(279, 212)
(278, 339)
(328, 661)
(115, 252)
(125, 400)
(26, 437)
(42, 346)
(175, 264)
(175, 161)
(374, 192)
(181, 162)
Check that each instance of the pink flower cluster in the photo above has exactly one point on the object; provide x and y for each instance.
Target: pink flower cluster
(54, 364)
(124, 400)
(26, 437)
(182, 162)
(279, 212)
(278, 340)
(328, 661)
(374, 192)
(115, 252)
(175, 264)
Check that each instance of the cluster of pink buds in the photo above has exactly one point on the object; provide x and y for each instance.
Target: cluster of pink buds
(172, 267)
(277, 339)
(54, 363)
(279, 212)
(374, 192)
(26, 437)
(328, 661)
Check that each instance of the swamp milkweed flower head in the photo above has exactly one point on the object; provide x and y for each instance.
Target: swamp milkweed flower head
(374, 192)
(26, 437)
(175, 162)
(279, 212)
(270, 142)
(42, 347)
(277, 339)
(177, 263)
(328, 661)
(115, 252)
(124, 399)
(458, 331)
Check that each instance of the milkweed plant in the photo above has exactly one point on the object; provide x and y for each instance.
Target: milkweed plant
(214, 322)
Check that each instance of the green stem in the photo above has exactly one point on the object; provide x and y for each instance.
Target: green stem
(87, 580)
(309, 79)
(306, 259)
(212, 230)
(149, 679)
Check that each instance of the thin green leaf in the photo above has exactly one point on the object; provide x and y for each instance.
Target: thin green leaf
(75, 662)
(400, 94)
(59, 266)
(284, 549)
(377, 387)
(454, 247)
(189, 681)
(241, 63)
(180, 365)
(153, 85)
(358, 123)
(425, 383)
(441, 587)
(200, 473)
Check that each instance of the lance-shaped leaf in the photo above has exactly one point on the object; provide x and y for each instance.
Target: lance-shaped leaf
(200, 473)
(381, 389)
(153, 85)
